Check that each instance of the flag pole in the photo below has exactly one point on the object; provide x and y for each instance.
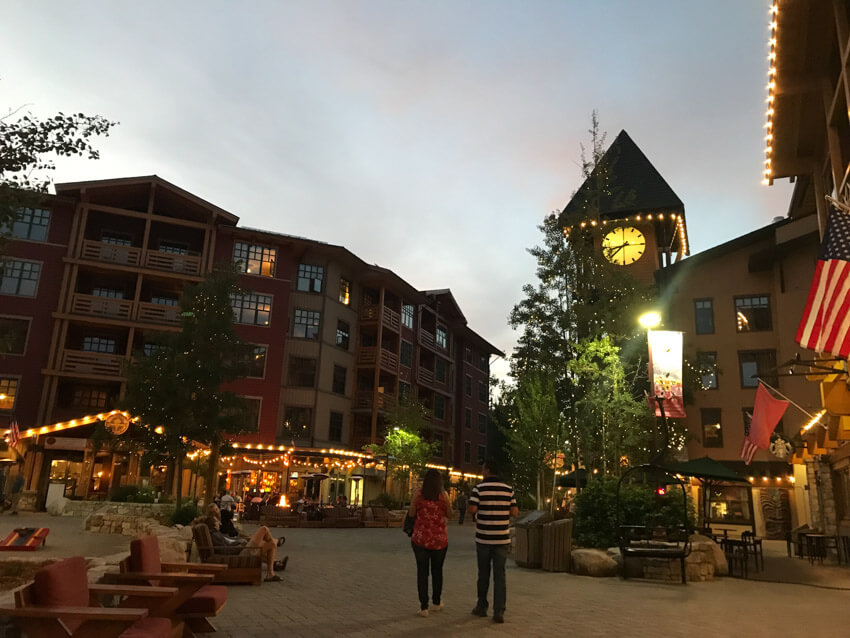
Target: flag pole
(770, 387)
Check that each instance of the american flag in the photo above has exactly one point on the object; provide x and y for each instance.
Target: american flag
(14, 432)
(825, 326)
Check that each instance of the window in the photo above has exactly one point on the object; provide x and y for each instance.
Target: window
(344, 291)
(173, 247)
(310, 278)
(306, 324)
(439, 407)
(467, 385)
(338, 386)
(20, 278)
(482, 454)
(115, 238)
(163, 300)
(704, 316)
(484, 362)
(406, 356)
(30, 223)
(440, 368)
(757, 364)
(343, 334)
(254, 260)
(251, 308)
(8, 392)
(442, 337)
(405, 390)
(302, 372)
(747, 415)
(467, 418)
(99, 344)
(297, 423)
(712, 431)
(252, 414)
(335, 427)
(467, 452)
(439, 441)
(483, 391)
(257, 362)
(407, 315)
(752, 314)
(729, 504)
(87, 397)
(707, 370)
(467, 354)
(13, 335)
(151, 349)
(109, 293)
(482, 423)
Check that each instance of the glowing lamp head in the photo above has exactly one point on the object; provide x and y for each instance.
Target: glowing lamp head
(650, 320)
(660, 490)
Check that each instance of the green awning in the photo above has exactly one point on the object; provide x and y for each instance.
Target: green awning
(706, 468)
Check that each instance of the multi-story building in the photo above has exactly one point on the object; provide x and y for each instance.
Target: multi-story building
(99, 269)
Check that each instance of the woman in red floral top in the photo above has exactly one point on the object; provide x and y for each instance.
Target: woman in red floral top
(430, 538)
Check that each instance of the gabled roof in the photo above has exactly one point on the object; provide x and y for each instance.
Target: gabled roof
(628, 183)
(445, 294)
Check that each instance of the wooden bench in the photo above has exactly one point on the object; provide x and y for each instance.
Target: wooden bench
(244, 565)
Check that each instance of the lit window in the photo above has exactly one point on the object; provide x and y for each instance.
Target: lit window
(30, 223)
(20, 278)
(251, 309)
(254, 260)
(712, 431)
(407, 315)
(344, 291)
(8, 392)
(310, 278)
(306, 324)
(707, 369)
(752, 314)
(343, 334)
(257, 362)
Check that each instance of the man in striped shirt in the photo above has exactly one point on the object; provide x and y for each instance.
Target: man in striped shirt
(494, 503)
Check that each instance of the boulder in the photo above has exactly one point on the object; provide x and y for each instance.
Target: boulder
(593, 562)
(721, 565)
(172, 549)
(57, 506)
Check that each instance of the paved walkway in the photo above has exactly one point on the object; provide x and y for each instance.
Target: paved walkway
(361, 583)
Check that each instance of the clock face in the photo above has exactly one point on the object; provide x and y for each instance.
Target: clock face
(623, 245)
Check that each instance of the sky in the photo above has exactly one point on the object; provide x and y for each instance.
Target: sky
(428, 137)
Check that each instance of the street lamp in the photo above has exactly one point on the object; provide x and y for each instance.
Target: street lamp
(650, 320)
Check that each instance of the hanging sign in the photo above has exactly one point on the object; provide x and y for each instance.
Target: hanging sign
(117, 423)
(665, 371)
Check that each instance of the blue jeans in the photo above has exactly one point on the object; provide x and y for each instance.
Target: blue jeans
(434, 559)
(496, 555)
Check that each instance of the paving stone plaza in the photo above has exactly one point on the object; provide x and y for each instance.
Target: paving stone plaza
(361, 583)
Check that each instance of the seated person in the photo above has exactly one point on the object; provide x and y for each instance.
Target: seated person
(262, 538)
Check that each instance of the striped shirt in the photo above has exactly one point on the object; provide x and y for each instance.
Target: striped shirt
(494, 500)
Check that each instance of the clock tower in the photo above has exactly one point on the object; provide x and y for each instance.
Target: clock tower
(642, 221)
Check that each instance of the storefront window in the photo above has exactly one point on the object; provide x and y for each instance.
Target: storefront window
(729, 504)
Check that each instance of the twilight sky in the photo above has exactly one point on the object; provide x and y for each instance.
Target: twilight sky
(428, 137)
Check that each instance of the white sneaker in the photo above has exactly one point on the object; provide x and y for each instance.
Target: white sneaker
(423, 613)
(437, 607)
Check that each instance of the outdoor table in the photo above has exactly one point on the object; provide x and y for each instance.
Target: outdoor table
(737, 554)
(818, 544)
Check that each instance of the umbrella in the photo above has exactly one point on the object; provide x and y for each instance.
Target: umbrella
(707, 468)
(578, 478)
(318, 476)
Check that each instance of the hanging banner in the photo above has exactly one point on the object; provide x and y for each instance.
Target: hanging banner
(665, 371)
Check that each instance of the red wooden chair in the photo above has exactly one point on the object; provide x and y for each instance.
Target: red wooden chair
(196, 599)
(61, 603)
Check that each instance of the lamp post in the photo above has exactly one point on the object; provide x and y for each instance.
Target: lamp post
(651, 320)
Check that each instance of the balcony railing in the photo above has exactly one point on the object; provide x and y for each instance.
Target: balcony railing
(184, 264)
(364, 399)
(392, 319)
(369, 356)
(113, 253)
(370, 314)
(424, 375)
(156, 313)
(82, 362)
(427, 339)
(101, 306)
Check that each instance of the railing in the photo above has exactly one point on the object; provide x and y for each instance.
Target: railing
(101, 306)
(113, 253)
(185, 264)
(370, 313)
(427, 339)
(369, 356)
(424, 375)
(364, 399)
(82, 362)
(392, 319)
(157, 313)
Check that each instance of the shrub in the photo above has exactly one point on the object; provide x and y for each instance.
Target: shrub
(385, 500)
(133, 494)
(595, 522)
(185, 514)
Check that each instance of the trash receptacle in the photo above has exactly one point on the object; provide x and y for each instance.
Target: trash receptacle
(557, 545)
(528, 538)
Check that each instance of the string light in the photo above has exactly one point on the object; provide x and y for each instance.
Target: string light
(814, 420)
(73, 423)
(771, 94)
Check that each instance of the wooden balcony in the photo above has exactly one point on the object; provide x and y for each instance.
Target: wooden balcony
(391, 319)
(425, 376)
(369, 356)
(169, 262)
(112, 253)
(97, 363)
(156, 313)
(427, 340)
(364, 400)
(101, 306)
